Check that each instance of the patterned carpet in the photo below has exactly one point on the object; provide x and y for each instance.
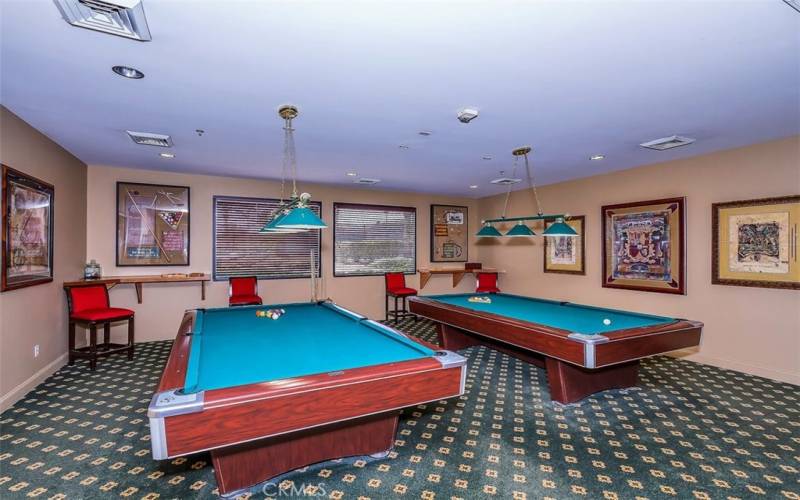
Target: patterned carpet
(690, 431)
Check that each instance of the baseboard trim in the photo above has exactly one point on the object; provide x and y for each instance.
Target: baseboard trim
(789, 378)
(19, 392)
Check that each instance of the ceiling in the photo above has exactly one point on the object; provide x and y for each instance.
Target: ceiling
(570, 78)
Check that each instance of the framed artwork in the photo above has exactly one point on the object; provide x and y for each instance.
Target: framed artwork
(645, 246)
(152, 225)
(27, 218)
(449, 233)
(565, 254)
(754, 243)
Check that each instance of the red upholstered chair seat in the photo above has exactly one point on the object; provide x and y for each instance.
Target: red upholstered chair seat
(104, 314)
(243, 291)
(88, 297)
(244, 299)
(244, 286)
(396, 285)
(487, 283)
(89, 306)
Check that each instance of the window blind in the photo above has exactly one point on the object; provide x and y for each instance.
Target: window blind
(240, 250)
(374, 239)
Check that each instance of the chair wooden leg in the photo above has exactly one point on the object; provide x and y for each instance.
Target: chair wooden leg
(106, 334)
(396, 319)
(130, 338)
(93, 346)
(71, 342)
(386, 307)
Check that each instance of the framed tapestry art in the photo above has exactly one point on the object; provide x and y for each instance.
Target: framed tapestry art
(565, 254)
(755, 243)
(644, 247)
(27, 217)
(449, 233)
(152, 225)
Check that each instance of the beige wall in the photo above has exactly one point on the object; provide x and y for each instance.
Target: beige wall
(37, 314)
(159, 315)
(755, 330)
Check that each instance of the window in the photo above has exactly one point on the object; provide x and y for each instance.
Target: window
(240, 250)
(373, 239)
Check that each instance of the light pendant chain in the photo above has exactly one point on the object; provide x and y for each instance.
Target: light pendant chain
(289, 154)
(508, 191)
(532, 186)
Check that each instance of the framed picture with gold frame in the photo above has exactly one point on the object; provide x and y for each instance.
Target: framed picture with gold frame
(755, 243)
(449, 233)
(645, 246)
(565, 254)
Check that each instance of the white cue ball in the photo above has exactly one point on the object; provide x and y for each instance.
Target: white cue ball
(606, 321)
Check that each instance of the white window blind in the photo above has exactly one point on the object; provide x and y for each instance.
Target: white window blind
(240, 250)
(374, 239)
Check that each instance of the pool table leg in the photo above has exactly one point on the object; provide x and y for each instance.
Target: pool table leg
(570, 383)
(252, 463)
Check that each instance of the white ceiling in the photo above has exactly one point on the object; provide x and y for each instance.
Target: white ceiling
(570, 78)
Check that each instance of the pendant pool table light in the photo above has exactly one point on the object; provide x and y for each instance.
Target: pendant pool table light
(292, 215)
(558, 228)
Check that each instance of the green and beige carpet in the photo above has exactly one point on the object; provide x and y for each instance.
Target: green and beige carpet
(689, 431)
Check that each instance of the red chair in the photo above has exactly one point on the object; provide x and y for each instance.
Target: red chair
(89, 306)
(243, 291)
(487, 283)
(396, 287)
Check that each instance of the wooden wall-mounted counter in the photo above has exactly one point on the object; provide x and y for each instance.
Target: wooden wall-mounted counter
(112, 281)
(458, 274)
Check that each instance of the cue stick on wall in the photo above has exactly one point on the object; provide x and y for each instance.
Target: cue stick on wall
(144, 221)
(313, 269)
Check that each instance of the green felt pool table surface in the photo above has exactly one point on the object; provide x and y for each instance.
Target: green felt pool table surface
(232, 346)
(575, 318)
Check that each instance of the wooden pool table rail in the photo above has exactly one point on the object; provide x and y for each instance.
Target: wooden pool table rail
(577, 365)
(588, 351)
(258, 431)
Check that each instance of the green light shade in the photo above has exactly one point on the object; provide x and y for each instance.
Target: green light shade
(519, 230)
(300, 218)
(488, 231)
(270, 228)
(560, 228)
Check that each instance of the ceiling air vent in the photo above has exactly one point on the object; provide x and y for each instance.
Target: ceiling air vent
(117, 17)
(505, 181)
(670, 142)
(366, 180)
(148, 139)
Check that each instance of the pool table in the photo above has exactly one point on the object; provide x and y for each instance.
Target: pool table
(584, 349)
(267, 396)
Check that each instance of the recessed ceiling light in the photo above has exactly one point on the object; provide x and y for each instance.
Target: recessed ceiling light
(403, 146)
(128, 72)
(597, 157)
(425, 133)
(352, 174)
(167, 155)
(486, 157)
(474, 186)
